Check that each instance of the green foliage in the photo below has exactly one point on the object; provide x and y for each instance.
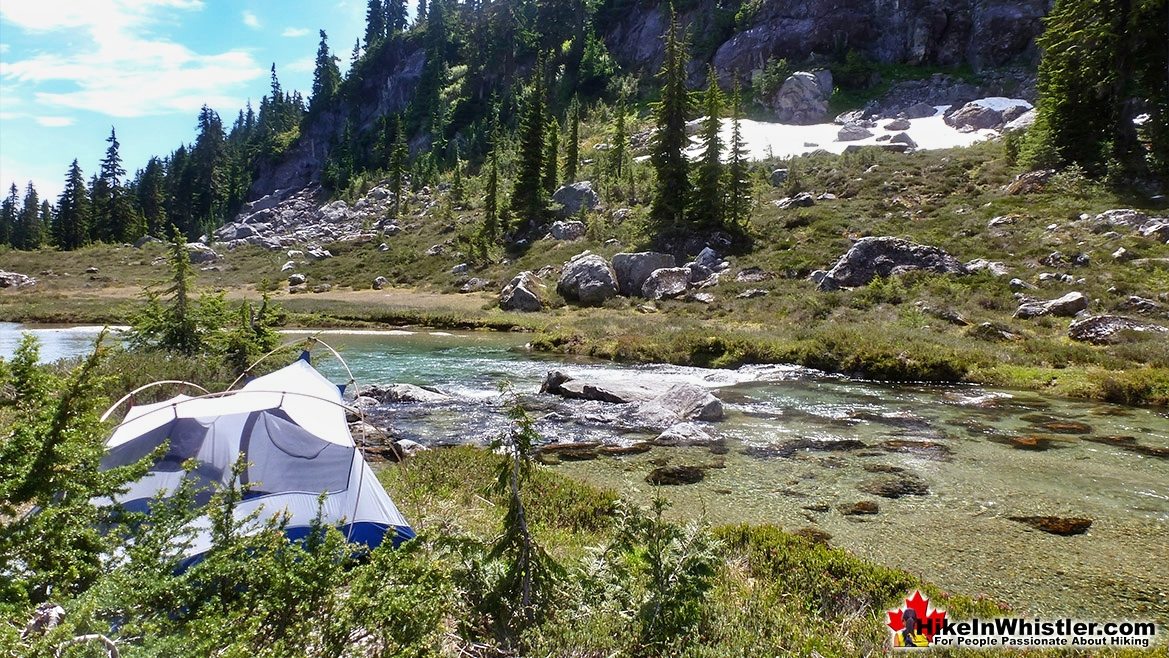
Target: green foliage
(48, 460)
(678, 565)
(527, 586)
(202, 326)
(708, 203)
(738, 182)
(529, 200)
(1096, 57)
(775, 72)
(672, 186)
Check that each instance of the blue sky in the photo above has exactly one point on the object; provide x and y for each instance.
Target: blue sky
(71, 69)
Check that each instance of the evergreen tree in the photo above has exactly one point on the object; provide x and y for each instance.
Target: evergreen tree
(491, 224)
(355, 56)
(552, 157)
(668, 206)
(620, 141)
(46, 220)
(399, 160)
(457, 190)
(27, 233)
(528, 200)
(1097, 56)
(207, 168)
(375, 24)
(738, 183)
(114, 218)
(707, 204)
(8, 216)
(326, 76)
(396, 16)
(572, 149)
(71, 228)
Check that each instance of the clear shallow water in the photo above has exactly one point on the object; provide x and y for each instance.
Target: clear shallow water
(958, 535)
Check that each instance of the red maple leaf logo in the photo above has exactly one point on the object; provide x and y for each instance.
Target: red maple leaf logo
(929, 619)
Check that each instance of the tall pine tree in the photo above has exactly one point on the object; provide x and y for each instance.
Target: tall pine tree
(375, 24)
(552, 157)
(8, 213)
(28, 223)
(492, 228)
(707, 205)
(71, 226)
(738, 183)
(399, 161)
(668, 205)
(572, 148)
(326, 76)
(617, 153)
(528, 199)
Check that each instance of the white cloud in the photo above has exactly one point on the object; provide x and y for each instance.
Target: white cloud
(251, 20)
(55, 122)
(302, 65)
(4, 48)
(123, 72)
(294, 32)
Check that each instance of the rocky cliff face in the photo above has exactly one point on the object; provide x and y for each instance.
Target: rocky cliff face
(978, 33)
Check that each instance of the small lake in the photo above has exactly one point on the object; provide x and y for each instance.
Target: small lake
(985, 455)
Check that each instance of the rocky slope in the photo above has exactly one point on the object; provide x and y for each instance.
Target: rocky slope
(979, 34)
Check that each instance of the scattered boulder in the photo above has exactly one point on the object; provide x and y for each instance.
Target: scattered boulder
(987, 113)
(752, 275)
(687, 402)
(991, 331)
(778, 177)
(15, 280)
(319, 254)
(1056, 525)
(1126, 217)
(897, 125)
(752, 293)
(558, 383)
(1143, 305)
(1030, 182)
(522, 293)
(801, 200)
(675, 475)
(1067, 306)
(802, 99)
(296, 279)
(575, 196)
(895, 486)
(1156, 229)
(1022, 122)
(380, 282)
(995, 268)
(587, 279)
(903, 138)
(474, 284)
(884, 257)
(666, 283)
(145, 240)
(863, 507)
(404, 393)
(1100, 329)
(853, 132)
(684, 434)
(919, 110)
(200, 253)
(634, 269)
(567, 231)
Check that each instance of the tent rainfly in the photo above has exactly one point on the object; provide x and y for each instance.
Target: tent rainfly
(290, 425)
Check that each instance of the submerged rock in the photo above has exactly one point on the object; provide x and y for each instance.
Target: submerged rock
(673, 475)
(895, 486)
(859, 508)
(404, 393)
(1056, 525)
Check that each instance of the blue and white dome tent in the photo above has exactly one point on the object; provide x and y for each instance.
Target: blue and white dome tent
(290, 425)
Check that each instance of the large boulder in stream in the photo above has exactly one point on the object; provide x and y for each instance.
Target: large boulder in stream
(887, 256)
(647, 407)
(404, 393)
